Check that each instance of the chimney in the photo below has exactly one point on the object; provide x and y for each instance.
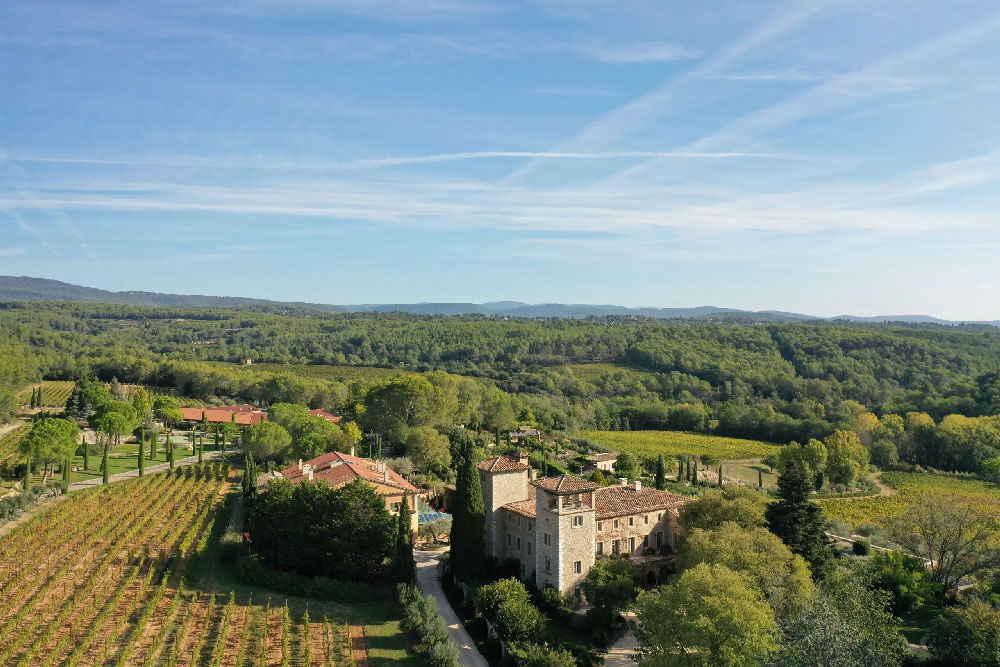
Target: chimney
(533, 474)
(352, 450)
(623, 481)
(385, 475)
(638, 485)
(300, 465)
(309, 473)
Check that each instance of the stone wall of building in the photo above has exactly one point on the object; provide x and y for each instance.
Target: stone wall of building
(565, 537)
(635, 533)
(518, 540)
(500, 488)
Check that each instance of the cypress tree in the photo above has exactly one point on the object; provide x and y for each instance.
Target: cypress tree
(468, 546)
(660, 481)
(694, 472)
(86, 453)
(27, 472)
(249, 482)
(170, 452)
(67, 466)
(31, 404)
(142, 453)
(38, 401)
(403, 567)
(201, 448)
(760, 478)
(104, 465)
(680, 467)
(216, 434)
(720, 475)
(152, 445)
(798, 521)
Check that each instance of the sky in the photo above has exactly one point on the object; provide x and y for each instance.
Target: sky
(826, 157)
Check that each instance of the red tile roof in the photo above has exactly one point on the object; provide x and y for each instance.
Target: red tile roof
(603, 456)
(329, 416)
(565, 484)
(612, 501)
(500, 464)
(218, 415)
(338, 469)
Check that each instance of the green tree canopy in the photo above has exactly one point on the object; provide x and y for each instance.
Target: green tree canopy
(50, 440)
(798, 521)
(266, 441)
(734, 503)
(429, 449)
(967, 636)
(710, 616)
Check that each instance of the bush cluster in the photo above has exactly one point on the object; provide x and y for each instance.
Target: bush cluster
(252, 570)
(421, 617)
(11, 505)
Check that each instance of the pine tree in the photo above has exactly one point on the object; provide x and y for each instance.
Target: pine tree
(142, 453)
(798, 521)
(404, 569)
(660, 481)
(468, 544)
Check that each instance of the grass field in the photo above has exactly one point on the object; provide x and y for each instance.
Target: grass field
(321, 371)
(676, 443)
(911, 487)
(54, 393)
(97, 580)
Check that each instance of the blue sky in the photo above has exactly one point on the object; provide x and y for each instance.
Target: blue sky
(821, 157)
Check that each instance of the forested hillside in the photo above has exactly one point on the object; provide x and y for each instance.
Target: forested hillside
(777, 382)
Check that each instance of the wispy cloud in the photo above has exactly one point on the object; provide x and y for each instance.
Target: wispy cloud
(10, 252)
(570, 91)
(312, 164)
(649, 52)
(766, 75)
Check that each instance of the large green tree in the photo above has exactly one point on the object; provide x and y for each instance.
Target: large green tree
(710, 616)
(49, 441)
(267, 441)
(429, 449)
(403, 567)
(734, 503)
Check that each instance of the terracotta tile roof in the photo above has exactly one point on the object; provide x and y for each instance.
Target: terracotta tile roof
(565, 484)
(219, 415)
(338, 469)
(603, 456)
(612, 501)
(524, 507)
(329, 416)
(500, 464)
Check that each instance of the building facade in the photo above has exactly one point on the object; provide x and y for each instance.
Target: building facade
(561, 525)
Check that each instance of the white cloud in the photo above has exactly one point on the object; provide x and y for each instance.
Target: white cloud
(648, 52)
(10, 252)
(766, 75)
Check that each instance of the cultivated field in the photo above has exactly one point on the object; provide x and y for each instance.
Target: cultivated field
(97, 580)
(676, 443)
(54, 393)
(911, 487)
(593, 371)
(9, 442)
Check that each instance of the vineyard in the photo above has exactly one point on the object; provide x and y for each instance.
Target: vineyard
(676, 443)
(910, 488)
(54, 394)
(9, 442)
(104, 587)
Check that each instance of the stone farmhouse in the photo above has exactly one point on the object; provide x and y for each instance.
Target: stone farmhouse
(557, 527)
(605, 462)
(337, 469)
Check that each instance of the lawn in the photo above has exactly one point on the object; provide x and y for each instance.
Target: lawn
(677, 443)
(911, 487)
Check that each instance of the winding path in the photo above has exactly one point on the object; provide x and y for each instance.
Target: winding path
(430, 584)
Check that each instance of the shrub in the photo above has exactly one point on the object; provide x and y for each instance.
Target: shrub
(443, 654)
(554, 602)
(421, 617)
(861, 547)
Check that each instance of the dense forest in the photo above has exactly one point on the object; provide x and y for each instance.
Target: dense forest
(776, 382)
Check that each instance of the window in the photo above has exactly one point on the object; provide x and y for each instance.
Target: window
(519, 544)
(529, 525)
(615, 549)
(529, 548)
(510, 517)
(631, 521)
(600, 526)
(395, 508)
(659, 539)
(616, 523)
(508, 539)
(631, 545)
(577, 521)
(645, 519)
(546, 539)
(518, 522)
(577, 567)
(548, 565)
(600, 548)
(677, 538)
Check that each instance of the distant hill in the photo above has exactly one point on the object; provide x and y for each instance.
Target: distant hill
(23, 288)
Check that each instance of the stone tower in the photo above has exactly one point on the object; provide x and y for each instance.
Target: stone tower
(504, 481)
(565, 531)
